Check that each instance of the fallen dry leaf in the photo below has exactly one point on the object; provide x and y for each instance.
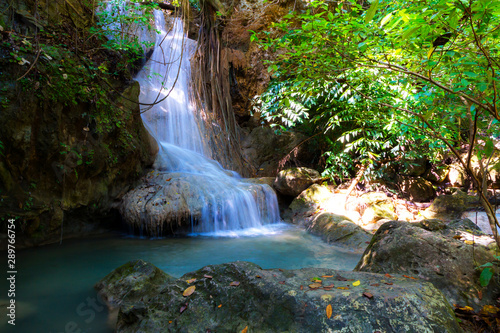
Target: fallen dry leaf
(469, 242)
(388, 275)
(301, 287)
(235, 283)
(315, 285)
(245, 330)
(326, 276)
(329, 311)
(389, 283)
(190, 281)
(258, 276)
(189, 291)
(368, 295)
(208, 276)
(374, 284)
(170, 322)
(480, 295)
(168, 180)
(183, 308)
(330, 286)
(343, 288)
(219, 306)
(457, 236)
(409, 277)
(357, 283)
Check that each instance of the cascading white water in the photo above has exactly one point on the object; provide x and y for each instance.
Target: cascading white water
(229, 203)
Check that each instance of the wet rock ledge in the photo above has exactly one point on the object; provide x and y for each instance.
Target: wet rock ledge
(236, 296)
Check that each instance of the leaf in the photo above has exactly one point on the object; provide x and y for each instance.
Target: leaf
(374, 284)
(316, 279)
(370, 13)
(389, 283)
(315, 285)
(191, 280)
(189, 291)
(208, 276)
(258, 276)
(388, 275)
(357, 283)
(469, 242)
(301, 287)
(281, 282)
(385, 19)
(245, 330)
(343, 288)
(326, 276)
(368, 295)
(329, 311)
(235, 284)
(183, 308)
(409, 277)
(457, 236)
(485, 276)
(169, 179)
(219, 306)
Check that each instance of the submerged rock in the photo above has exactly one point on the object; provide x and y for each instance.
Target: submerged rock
(293, 181)
(234, 296)
(422, 251)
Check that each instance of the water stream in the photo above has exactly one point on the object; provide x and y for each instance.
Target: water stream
(228, 203)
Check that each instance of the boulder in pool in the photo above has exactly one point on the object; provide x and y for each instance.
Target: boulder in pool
(293, 181)
(428, 251)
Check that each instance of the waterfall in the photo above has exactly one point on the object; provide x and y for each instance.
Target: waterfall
(222, 201)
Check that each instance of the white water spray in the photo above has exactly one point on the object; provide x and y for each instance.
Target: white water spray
(229, 203)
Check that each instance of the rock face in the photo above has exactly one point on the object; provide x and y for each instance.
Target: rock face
(230, 297)
(268, 152)
(70, 146)
(293, 181)
(400, 247)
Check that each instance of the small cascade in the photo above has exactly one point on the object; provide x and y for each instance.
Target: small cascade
(187, 187)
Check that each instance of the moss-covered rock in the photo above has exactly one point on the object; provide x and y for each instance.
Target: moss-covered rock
(230, 297)
(450, 207)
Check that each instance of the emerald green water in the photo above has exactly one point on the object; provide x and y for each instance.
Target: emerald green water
(54, 282)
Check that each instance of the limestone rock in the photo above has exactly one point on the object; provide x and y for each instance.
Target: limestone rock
(293, 181)
(400, 247)
(275, 300)
(340, 231)
(416, 188)
(375, 206)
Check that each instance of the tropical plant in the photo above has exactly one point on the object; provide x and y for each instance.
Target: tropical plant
(422, 73)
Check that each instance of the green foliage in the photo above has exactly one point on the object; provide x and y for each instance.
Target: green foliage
(395, 78)
(487, 272)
